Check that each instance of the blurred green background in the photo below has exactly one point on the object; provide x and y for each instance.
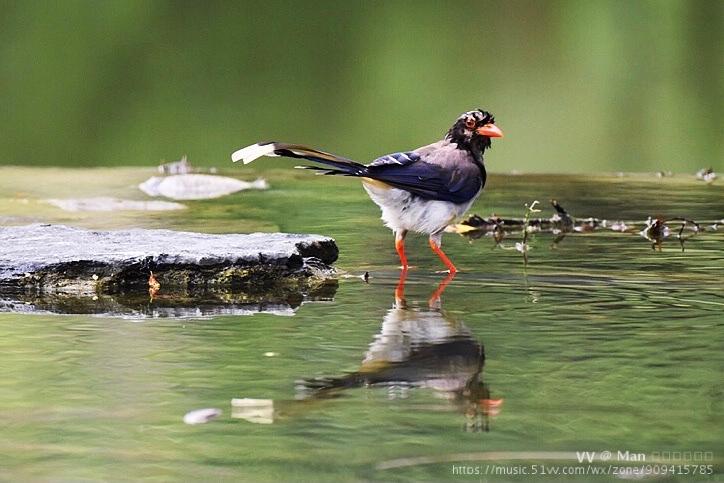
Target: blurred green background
(576, 85)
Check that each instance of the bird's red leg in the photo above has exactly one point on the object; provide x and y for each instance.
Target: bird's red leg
(435, 245)
(400, 247)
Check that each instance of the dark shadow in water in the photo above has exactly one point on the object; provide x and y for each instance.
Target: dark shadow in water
(179, 304)
(415, 348)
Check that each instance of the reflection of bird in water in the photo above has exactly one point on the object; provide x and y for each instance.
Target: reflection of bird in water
(420, 349)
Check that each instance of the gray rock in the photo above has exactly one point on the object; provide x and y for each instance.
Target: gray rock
(56, 258)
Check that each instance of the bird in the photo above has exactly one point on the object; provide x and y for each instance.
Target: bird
(422, 190)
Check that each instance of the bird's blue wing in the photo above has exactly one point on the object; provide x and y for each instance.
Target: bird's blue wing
(410, 172)
(399, 159)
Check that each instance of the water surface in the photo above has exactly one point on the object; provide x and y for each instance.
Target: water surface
(600, 343)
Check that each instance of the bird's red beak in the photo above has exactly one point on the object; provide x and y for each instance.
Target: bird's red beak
(490, 130)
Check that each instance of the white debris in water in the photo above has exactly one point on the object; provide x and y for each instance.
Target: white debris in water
(270, 354)
(182, 166)
(522, 247)
(259, 411)
(197, 186)
(619, 226)
(201, 416)
(707, 175)
(113, 204)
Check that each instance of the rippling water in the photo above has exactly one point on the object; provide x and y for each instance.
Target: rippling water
(599, 344)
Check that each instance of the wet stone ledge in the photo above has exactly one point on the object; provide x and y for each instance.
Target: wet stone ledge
(56, 259)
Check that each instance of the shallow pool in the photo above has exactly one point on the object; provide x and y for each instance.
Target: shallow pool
(599, 344)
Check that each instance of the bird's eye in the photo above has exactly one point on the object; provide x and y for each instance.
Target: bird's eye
(470, 123)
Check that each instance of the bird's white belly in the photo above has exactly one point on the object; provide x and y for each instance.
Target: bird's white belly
(401, 210)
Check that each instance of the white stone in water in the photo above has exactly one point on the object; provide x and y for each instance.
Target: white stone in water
(113, 204)
(197, 186)
(201, 416)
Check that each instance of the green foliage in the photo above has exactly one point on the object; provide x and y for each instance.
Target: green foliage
(576, 86)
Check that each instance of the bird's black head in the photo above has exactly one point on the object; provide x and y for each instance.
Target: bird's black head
(472, 131)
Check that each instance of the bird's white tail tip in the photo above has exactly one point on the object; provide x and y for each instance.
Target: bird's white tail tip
(255, 151)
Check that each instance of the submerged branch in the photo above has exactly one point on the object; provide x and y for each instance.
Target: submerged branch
(561, 224)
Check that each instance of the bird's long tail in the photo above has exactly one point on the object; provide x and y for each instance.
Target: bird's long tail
(333, 164)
